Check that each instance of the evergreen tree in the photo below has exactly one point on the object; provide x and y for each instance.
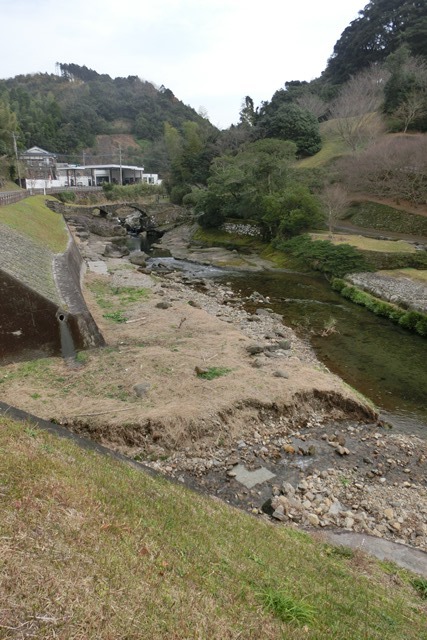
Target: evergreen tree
(382, 26)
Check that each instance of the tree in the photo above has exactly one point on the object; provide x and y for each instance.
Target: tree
(412, 109)
(238, 184)
(313, 103)
(406, 90)
(248, 114)
(266, 162)
(7, 127)
(290, 122)
(290, 212)
(382, 26)
(335, 201)
(355, 110)
(393, 168)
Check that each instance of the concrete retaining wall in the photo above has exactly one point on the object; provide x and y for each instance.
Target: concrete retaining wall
(41, 300)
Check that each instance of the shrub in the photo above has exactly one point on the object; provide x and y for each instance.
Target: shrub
(380, 216)
(213, 372)
(322, 255)
(420, 584)
(411, 320)
(66, 196)
(178, 192)
(378, 260)
(285, 607)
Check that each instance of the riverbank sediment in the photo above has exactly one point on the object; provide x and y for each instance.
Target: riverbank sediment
(229, 401)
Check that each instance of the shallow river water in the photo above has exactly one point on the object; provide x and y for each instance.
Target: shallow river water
(384, 362)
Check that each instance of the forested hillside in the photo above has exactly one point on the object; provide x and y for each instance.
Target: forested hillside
(65, 112)
(381, 28)
(375, 83)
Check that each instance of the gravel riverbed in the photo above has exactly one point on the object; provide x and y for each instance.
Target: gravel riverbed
(322, 473)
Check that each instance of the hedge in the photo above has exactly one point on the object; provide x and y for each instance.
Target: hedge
(412, 320)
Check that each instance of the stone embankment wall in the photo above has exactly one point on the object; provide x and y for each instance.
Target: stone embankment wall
(404, 292)
(242, 229)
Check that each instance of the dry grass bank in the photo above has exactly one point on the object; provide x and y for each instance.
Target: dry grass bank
(93, 549)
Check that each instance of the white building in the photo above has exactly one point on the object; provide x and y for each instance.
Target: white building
(95, 175)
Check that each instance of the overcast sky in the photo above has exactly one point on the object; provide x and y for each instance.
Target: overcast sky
(210, 53)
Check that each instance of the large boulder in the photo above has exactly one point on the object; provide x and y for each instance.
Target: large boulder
(115, 251)
(139, 258)
(105, 228)
(134, 222)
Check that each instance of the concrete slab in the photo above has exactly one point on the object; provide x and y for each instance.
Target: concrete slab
(251, 478)
(409, 558)
(98, 266)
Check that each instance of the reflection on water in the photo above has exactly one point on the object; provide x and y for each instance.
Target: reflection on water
(381, 360)
(194, 269)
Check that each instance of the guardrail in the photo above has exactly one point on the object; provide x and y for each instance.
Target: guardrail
(9, 197)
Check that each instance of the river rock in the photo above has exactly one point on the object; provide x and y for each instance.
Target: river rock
(114, 251)
(254, 349)
(139, 258)
(280, 374)
(288, 489)
(134, 222)
(141, 389)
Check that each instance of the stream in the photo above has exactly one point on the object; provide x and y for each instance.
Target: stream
(384, 362)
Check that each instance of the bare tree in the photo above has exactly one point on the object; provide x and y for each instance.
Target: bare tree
(335, 201)
(313, 103)
(355, 111)
(412, 108)
(393, 168)
(413, 72)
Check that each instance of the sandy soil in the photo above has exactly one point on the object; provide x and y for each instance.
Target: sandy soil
(278, 408)
(161, 349)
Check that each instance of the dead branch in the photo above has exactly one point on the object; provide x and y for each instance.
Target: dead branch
(136, 320)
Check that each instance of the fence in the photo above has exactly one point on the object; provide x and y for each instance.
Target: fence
(9, 197)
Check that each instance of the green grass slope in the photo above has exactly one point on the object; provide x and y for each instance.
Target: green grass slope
(32, 218)
(30, 235)
(92, 548)
(332, 148)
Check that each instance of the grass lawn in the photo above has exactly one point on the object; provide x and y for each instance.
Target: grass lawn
(332, 147)
(8, 185)
(366, 244)
(92, 548)
(32, 217)
(419, 275)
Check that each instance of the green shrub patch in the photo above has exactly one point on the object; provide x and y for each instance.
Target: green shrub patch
(412, 320)
(379, 216)
(322, 255)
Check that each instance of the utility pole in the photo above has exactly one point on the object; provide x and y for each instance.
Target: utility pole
(120, 158)
(15, 148)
